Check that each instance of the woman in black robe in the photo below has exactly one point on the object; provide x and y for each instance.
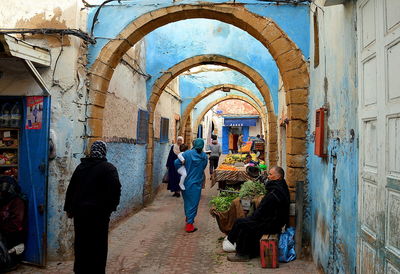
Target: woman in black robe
(173, 175)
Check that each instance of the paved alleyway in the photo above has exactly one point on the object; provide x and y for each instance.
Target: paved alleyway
(153, 241)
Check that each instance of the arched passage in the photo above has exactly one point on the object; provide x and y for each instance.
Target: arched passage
(265, 119)
(212, 59)
(290, 61)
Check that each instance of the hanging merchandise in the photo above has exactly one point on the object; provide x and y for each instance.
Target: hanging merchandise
(15, 117)
(34, 112)
(5, 115)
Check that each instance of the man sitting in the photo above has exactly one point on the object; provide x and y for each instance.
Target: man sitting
(269, 218)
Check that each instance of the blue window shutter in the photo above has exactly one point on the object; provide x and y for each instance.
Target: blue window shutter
(142, 126)
(164, 130)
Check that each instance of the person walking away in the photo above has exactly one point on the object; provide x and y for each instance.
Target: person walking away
(269, 218)
(182, 169)
(195, 163)
(173, 175)
(13, 223)
(216, 151)
(92, 195)
(240, 143)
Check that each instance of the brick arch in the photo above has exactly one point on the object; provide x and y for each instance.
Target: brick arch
(263, 108)
(226, 98)
(290, 61)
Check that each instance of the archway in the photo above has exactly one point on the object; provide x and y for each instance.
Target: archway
(266, 120)
(211, 59)
(290, 61)
(225, 98)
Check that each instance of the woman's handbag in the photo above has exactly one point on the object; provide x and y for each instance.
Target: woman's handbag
(165, 178)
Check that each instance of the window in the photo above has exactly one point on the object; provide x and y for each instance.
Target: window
(142, 126)
(164, 130)
(316, 39)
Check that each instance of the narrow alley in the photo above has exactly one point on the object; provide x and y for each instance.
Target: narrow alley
(154, 241)
(113, 113)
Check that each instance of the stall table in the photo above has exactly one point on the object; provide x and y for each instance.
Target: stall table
(229, 177)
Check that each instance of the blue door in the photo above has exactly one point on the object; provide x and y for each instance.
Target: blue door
(225, 140)
(33, 170)
(245, 132)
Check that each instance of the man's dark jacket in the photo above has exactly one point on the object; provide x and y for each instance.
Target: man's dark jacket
(269, 218)
(94, 187)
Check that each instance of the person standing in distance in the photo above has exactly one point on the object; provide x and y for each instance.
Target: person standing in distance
(92, 195)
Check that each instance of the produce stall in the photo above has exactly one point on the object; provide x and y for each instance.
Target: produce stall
(231, 204)
(232, 171)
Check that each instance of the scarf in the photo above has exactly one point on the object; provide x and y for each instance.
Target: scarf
(198, 145)
(214, 142)
(177, 149)
(98, 150)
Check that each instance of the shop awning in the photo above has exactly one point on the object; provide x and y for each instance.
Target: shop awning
(31, 56)
(13, 47)
(240, 122)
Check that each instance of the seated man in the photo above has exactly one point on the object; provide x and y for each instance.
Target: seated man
(269, 218)
(12, 220)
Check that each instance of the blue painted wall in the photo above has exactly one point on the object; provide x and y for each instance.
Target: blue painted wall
(129, 159)
(161, 152)
(107, 27)
(331, 215)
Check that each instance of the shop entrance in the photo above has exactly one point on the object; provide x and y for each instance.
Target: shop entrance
(24, 133)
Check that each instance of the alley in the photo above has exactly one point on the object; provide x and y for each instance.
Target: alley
(153, 241)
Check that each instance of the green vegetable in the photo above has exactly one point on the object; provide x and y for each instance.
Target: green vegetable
(223, 201)
(251, 189)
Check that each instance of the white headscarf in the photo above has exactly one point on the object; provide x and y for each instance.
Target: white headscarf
(176, 146)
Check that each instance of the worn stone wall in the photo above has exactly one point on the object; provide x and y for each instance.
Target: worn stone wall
(66, 79)
(331, 214)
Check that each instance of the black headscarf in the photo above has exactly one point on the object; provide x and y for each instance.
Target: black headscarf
(98, 150)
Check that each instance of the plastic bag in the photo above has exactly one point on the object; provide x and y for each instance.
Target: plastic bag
(286, 246)
(165, 178)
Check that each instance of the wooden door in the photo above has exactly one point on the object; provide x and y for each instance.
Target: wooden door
(379, 127)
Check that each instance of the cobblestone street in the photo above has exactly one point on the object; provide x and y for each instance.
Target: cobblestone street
(153, 241)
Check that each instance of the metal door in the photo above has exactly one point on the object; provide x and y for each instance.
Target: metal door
(379, 122)
(33, 179)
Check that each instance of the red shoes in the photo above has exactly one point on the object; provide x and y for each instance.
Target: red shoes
(189, 228)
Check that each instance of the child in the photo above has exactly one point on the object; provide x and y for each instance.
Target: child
(182, 169)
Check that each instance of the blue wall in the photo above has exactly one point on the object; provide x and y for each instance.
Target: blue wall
(178, 41)
(129, 159)
(161, 152)
(331, 215)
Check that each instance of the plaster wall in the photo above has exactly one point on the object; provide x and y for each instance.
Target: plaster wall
(66, 79)
(331, 212)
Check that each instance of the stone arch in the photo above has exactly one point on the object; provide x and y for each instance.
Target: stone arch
(225, 98)
(208, 91)
(211, 59)
(290, 61)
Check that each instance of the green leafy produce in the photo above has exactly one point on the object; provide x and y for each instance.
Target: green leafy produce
(223, 201)
(251, 189)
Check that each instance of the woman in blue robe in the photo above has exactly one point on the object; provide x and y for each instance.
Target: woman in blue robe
(195, 163)
(173, 175)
